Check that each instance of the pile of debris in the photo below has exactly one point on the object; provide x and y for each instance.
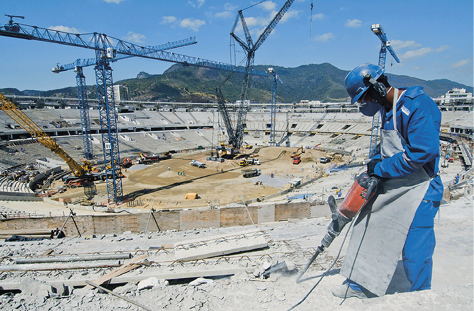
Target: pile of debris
(196, 269)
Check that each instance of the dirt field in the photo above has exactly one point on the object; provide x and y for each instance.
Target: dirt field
(155, 184)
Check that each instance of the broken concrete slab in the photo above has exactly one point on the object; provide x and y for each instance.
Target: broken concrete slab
(151, 283)
(32, 287)
(220, 245)
(187, 274)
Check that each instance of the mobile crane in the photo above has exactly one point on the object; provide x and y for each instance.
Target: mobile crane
(79, 171)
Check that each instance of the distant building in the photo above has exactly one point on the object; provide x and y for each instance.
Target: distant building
(120, 93)
(457, 99)
(247, 102)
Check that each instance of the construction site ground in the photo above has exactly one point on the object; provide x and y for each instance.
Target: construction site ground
(231, 282)
(165, 184)
(234, 280)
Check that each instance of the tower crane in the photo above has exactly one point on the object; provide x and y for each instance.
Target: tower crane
(276, 79)
(378, 31)
(82, 91)
(250, 48)
(106, 48)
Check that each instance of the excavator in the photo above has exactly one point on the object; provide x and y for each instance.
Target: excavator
(297, 152)
(79, 171)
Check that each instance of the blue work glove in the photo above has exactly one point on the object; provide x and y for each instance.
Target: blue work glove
(371, 166)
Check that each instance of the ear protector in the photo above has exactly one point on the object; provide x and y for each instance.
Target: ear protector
(379, 87)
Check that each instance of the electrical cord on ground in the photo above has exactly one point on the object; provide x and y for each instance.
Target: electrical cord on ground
(334, 262)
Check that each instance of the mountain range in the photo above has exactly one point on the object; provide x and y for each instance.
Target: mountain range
(322, 82)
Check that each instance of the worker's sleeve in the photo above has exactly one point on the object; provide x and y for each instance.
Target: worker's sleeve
(421, 133)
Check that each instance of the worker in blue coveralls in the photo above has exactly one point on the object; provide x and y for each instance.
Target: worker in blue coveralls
(400, 217)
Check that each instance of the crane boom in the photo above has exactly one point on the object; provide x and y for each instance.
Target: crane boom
(378, 31)
(92, 61)
(273, 24)
(36, 132)
(106, 44)
(385, 45)
(250, 48)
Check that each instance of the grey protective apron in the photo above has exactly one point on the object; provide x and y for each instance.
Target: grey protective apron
(380, 231)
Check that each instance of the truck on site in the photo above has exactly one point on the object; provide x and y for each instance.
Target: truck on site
(325, 160)
(245, 162)
(252, 172)
(254, 161)
(198, 164)
(149, 159)
(75, 183)
(126, 162)
(296, 160)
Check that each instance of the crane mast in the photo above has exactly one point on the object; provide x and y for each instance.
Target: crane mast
(385, 46)
(82, 91)
(276, 79)
(84, 113)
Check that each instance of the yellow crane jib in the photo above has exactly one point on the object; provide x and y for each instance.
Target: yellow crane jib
(36, 132)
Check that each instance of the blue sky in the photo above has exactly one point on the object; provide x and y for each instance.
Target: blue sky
(433, 39)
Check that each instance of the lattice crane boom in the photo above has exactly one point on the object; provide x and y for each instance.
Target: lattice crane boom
(385, 45)
(36, 132)
(250, 48)
(92, 61)
(108, 45)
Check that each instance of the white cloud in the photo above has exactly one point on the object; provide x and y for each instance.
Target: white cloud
(224, 14)
(168, 20)
(399, 44)
(416, 53)
(230, 7)
(268, 5)
(353, 23)
(135, 37)
(253, 21)
(325, 37)
(318, 16)
(461, 63)
(197, 3)
(64, 29)
(192, 23)
(113, 1)
(443, 48)
(288, 15)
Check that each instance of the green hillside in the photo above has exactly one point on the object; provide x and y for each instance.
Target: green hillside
(322, 82)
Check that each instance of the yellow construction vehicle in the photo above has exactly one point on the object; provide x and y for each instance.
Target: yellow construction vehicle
(298, 151)
(244, 162)
(79, 171)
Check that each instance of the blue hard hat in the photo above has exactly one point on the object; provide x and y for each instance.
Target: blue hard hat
(356, 86)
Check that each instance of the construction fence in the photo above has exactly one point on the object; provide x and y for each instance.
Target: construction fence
(162, 220)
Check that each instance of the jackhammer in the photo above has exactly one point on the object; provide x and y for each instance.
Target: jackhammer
(362, 190)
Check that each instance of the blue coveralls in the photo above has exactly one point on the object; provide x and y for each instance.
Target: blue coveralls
(418, 122)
